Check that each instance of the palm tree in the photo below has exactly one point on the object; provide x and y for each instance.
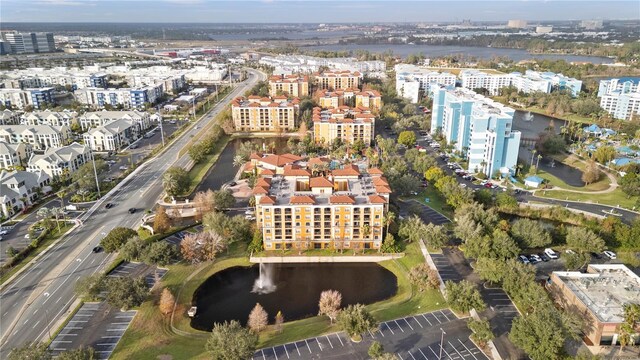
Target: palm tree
(538, 163)
(238, 161)
(388, 219)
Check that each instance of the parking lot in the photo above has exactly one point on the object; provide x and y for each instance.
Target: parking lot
(413, 337)
(427, 214)
(498, 301)
(445, 269)
(96, 325)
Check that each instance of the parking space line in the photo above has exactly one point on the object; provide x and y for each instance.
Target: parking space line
(413, 357)
(286, 351)
(416, 319)
(274, 352)
(319, 344)
(338, 336)
(329, 341)
(430, 324)
(401, 329)
(435, 317)
(445, 315)
(405, 320)
(305, 340)
(399, 356)
(380, 331)
(387, 325)
(425, 356)
(465, 346)
(263, 357)
(298, 350)
(454, 349)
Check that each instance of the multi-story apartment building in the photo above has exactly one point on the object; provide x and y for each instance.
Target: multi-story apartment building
(14, 154)
(20, 189)
(58, 76)
(344, 210)
(310, 64)
(41, 137)
(333, 80)
(413, 82)
(256, 114)
(620, 97)
(8, 117)
(128, 98)
(100, 118)
(478, 127)
(16, 98)
(62, 161)
(599, 296)
(474, 79)
(370, 99)
(53, 118)
(530, 81)
(336, 98)
(21, 43)
(344, 123)
(289, 85)
(112, 136)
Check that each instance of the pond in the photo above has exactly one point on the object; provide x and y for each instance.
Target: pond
(293, 289)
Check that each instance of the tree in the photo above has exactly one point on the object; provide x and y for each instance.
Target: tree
(279, 321)
(81, 353)
(258, 319)
(506, 201)
(36, 351)
(435, 236)
(627, 333)
(591, 173)
(604, 154)
(85, 178)
(424, 277)
(11, 251)
(433, 174)
(90, 286)
(198, 152)
(116, 238)
(498, 245)
(576, 261)
(463, 296)
(630, 184)
(355, 319)
(490, 269)
(481, 331)
(223, 199)
(161, 253)
(161, 222)
(530, 233)
(230, 341)
(405, 185)
(407, 138)
(389, 244)
(329, 304)
(167, 301)
(388, 219)
(175, 181)
(539, 334)
(132, 249)
(204, 202)
(584, 240)
(202, 246)
(125, 292)
(412, 229)
(551, 144)
(375, 350)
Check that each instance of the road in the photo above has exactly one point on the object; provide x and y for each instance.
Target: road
(43, 293)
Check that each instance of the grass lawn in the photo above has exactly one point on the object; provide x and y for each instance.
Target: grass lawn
(436, 201)
(48, 240)
(150, 334)
(199, 170)
(615, 198)
(601, 184)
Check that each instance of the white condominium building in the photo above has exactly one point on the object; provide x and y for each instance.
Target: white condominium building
(14, 154)
(620, 97)
(53, 118)
(413, 82)
(60, 161)
(474, 79)
(8, 117)
(100, 118)
(19, 99)
(128, 98)
(20, 189)
(530, 81)
(478, 127)
(41, 137)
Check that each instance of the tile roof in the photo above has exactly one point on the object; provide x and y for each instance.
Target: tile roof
(383, 190)
(260, 190)
(267, 200)
(350, 170)
(342, 199)
(294, 170)
(266, 182)
(302, 199)
(320, 181)
(377, 199)
(375, 171)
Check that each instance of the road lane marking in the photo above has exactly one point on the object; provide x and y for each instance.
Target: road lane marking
(36, 324)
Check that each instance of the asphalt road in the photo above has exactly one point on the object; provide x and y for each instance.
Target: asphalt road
(48, 284)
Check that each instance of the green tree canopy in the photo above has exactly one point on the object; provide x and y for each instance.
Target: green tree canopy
(355, 320)
(126, 292)
(175, 181)
(407, 138)
(463, 296)
(230, 341)
(530, 233)
(116, 238)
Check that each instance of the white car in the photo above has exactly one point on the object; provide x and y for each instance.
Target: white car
(569, 251)
(550, 253)
(249, 212)
(610, 254)
(3, 232)
(463, 185)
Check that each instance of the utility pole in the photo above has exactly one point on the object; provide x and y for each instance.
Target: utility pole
(441, 341)
(161, 131)
(95, 173)
(46, 311)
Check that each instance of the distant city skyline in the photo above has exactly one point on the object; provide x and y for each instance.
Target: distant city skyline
(319, 11)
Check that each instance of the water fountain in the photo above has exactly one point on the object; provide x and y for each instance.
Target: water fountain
(264, 283)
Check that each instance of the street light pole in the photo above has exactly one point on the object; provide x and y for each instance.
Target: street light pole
(161, 131)
(95, 172)
(441, 341)
(46, 312)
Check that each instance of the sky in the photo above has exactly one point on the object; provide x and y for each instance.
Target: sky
(317, 11)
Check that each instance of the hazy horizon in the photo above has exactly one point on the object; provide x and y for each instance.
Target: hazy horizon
(312, 12)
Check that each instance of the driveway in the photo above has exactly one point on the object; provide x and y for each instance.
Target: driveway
(412, 337)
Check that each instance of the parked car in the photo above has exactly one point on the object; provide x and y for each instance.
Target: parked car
(610, 254)
(488, 185)
(569, 251)
(523, 259)
(550, 253)
(534, 259)
(133, 146)
(249, 212)
(544, 257)
(233, 183)
(463, 185)
(595, 255)
(249, 217)
(3, 232)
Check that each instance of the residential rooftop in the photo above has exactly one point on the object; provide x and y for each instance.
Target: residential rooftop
(604, 289)
(343, 114)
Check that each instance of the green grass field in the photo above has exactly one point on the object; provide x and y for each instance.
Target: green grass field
(436, 201)
(615, 198)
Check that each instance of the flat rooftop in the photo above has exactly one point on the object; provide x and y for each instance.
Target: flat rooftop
(604, 289)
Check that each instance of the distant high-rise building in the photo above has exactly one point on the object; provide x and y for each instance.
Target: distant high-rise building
(544, 29)
(591, 24)
(517, 24)
(21, 43)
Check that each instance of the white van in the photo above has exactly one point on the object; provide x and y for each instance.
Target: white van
(550, 253)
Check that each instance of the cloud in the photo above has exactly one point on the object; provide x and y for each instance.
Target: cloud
(65, 3)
